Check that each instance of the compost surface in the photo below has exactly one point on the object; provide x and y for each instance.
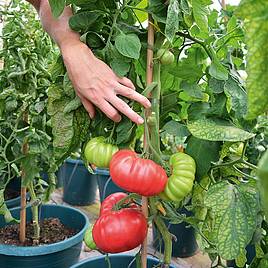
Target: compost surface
(52, 231)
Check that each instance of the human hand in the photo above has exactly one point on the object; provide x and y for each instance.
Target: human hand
(96, 84)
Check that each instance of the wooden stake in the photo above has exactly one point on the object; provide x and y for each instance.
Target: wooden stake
(23, 215)
(149, 80)
(223, 4)
(23, 193)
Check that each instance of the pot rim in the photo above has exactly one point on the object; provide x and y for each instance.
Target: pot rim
(74, 161)
(77, 265)
(12, 250)
(102, 171)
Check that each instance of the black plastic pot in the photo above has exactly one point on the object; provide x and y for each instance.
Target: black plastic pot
(59, 255)
(117, 261)
(14, 184)
(185, 246)
(251, 253)
(79, 186)
(105, 183)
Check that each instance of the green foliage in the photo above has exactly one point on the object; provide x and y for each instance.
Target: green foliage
(212, 130)
(234, 209)
(27, 52)
(256, 24)
(203, 102)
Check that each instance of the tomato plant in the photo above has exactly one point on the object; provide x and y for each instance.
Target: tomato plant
(99, 153)
(199, 101)
(26, 147)
(137, 175)
(119, 230)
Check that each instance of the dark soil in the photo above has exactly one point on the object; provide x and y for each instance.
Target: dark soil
(52, 231)
(11, 193)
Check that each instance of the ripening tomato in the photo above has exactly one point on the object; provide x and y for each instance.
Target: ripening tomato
(137, 175)
(99, 153)
(180, 183)
(119, 230)
(166, 56)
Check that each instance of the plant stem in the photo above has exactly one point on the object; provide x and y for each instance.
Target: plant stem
(36, 227)
(196, 41)
(167, 238)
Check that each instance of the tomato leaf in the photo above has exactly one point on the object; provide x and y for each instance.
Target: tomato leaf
(217, 70)
(173, 18)
(256, 23)
(128, 45)
(216, 85)
(125, 131)
(237, 96)
(141, 15)
(203, 152)
(83, 21)
(4, 210)
(234, 209)
(219, 130)
(30, 168)
(200, 12)
(57, 7)
(176, 129)
(119, 67)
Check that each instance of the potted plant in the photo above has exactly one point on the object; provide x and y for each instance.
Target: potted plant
(187, 61)
(47, 234)
(79, 185)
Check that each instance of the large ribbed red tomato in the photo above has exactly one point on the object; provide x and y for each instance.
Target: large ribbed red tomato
(137, 175)
(121, 230)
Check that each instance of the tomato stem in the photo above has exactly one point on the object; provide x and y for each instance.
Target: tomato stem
(161, 226)
(35, 218)
(123, 202)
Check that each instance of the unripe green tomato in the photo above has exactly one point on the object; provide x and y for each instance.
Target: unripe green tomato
(166, 56)
(89, 241)
(180, 183)
(99, 153)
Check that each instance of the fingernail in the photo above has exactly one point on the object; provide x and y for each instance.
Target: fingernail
(140, 120)
(90, 116)
(118, 119)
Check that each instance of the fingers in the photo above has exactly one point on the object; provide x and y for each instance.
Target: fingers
(132, 94)
(126, 82)
(121, 106)
(109, 110)
(88, 106)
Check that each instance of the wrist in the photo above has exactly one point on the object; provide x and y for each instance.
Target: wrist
(70, 48)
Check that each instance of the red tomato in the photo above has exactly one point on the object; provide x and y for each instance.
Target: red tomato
(119, 231)
(137, 175)
(111, 200)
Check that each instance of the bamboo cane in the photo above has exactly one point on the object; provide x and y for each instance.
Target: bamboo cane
(22, 231)
(149, 80)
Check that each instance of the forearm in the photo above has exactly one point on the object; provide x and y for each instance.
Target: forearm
(57, 28)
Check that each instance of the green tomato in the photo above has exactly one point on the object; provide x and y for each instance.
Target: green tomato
(99, 153)
(89, 241)
(166, 56)
(180, 183)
